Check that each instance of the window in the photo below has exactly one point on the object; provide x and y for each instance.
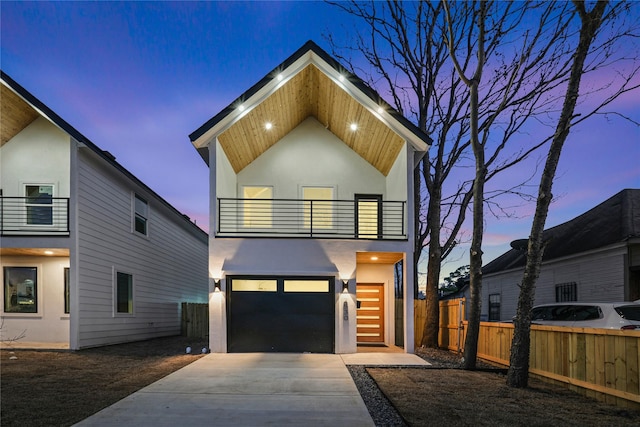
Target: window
(124, 293)
(39, 204)
(254, 285)
(258, 206)
(66, 291)
(306, 285)
(567, 292)
(368, 216)
(494, 307)
(20, 289)
(141, 217)
(318, 213)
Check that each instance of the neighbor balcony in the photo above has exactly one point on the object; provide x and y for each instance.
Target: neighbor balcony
(34, 216)
(363, 218)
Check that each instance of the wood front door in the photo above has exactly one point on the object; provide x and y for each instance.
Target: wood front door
(370, 314)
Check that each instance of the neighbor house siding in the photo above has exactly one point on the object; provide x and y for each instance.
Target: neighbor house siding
(599, 276)
(168, 266)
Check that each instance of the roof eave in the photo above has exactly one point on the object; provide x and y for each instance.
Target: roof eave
(309, 53)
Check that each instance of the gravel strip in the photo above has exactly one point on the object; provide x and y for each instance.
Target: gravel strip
(382, 411)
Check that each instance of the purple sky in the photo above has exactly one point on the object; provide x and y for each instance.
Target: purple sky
(138, 78)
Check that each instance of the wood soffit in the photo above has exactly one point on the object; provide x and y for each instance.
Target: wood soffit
(16, 114)
(311, 93)
(55, 252)
(379, 257)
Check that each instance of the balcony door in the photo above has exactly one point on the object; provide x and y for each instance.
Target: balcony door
(257, 207)
(368, 216)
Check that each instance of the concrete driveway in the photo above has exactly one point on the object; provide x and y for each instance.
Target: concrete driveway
(251, 389)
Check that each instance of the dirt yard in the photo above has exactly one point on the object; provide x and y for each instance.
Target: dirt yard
(58, 388)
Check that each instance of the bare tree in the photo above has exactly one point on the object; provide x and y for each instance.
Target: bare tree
(591, 23)
(521, 88)
(407, 52)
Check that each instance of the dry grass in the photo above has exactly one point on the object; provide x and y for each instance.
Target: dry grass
(60, 388)
(445, 395)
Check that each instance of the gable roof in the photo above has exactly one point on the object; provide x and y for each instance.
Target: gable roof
(310, 83)
(615, 220)
(19, 108)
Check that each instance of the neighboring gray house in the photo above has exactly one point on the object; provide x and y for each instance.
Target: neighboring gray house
(595, 257)
(312, 206)
(89, 254)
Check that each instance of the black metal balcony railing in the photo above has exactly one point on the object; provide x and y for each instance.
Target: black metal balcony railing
(333, 219)
(34, 216)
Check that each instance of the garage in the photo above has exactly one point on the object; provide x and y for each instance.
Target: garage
(280, 314)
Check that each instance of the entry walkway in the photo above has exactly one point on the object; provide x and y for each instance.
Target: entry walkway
(249, 389)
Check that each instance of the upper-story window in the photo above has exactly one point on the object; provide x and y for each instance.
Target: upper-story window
(141, 215)
(318, 207)
(257, 206)
(39, 204)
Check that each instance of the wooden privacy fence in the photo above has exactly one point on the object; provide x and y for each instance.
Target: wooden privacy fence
(600, 363)
(451, 317)
(195, 320)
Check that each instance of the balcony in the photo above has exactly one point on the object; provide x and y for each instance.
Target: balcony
(34, 216)
(320, 219)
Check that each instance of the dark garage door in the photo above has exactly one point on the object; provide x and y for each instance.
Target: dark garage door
(280, 314)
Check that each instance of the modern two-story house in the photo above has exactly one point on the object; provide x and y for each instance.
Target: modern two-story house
(594, 257)
(89, 254)
(312, 213)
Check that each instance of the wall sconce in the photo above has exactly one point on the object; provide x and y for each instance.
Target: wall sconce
(216, 285)
(345, 286)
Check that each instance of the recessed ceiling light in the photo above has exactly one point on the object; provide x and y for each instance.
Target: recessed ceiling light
(48, 252)
(341, 78)
(279, 77)
(241, 108)
(374, 258)
(353, 126)
(268, 125)
(380, 110)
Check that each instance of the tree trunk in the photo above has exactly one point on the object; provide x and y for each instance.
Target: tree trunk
(475, 252)
(518, 375)
(432, 318)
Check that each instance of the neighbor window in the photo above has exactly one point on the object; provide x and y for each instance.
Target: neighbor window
(318, 207)
(66, 291)
(494, 307)
(368, 216)
(257, 206)
(124, 293)
(566, 292)
(20, 289)
(39, 204)
(141, 215)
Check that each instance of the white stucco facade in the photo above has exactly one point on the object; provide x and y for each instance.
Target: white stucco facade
(311, 155)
